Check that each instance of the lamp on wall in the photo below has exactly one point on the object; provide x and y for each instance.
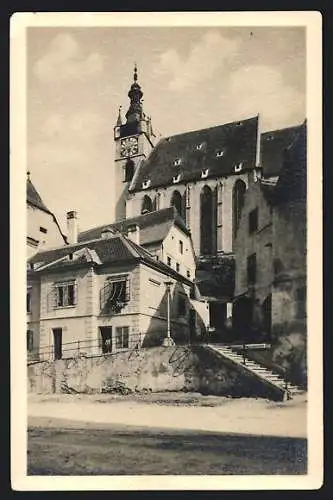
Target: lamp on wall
(168, 341)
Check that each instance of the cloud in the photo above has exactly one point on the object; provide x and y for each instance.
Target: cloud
(64, 60)
(262, 89)
(204, 58)
(84, 125)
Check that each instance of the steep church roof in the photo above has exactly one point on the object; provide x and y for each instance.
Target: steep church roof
(34, 198)
(209, 152)
(154, 226)
(272, 147)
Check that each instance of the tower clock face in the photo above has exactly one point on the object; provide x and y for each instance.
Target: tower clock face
(129, 146)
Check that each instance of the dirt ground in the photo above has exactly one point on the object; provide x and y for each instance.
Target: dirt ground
(165, 433)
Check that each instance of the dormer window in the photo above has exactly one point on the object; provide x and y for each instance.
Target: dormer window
(176, 179)
(146, 184)
(238, 167)
(239, 124)
(219, 153)
(177, 162)
(199, 146)
(204, 173)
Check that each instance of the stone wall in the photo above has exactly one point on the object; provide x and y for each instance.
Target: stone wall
(180, 368)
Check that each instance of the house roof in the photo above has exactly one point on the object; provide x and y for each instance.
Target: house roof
(34, 198)
(154, 226)
(197, 152)
(116, 249)
(272, 147)
(292, 183)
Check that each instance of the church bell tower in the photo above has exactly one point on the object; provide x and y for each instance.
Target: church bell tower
(133, 142)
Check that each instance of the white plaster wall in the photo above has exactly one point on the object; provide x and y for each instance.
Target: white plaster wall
(37, 218)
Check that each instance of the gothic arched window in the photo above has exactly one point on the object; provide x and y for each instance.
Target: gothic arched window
(207, 221)
(177, 202)
(147, 204)
(237, 203)
(129, 170)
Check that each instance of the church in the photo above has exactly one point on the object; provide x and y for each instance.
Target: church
(183, 206)
(204, 174)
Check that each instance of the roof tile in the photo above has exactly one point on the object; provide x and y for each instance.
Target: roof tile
(219, 149)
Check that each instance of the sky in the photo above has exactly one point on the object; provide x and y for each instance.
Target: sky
(191, 78)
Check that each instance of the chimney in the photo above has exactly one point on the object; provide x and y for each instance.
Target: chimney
(72, 226)
(133, 233)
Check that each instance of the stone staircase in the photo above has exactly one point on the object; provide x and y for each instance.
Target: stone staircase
(289, 390)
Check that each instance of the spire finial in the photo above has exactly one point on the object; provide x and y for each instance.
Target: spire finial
(119, 119)
(135, 72)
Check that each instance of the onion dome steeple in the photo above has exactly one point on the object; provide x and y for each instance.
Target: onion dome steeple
(135, 111)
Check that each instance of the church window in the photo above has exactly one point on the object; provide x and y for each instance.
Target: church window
(147, 204)
(129, 170)
(177, 202)
(208, 210)
(237, 203)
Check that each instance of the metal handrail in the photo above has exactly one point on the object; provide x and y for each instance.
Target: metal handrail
(81, 347)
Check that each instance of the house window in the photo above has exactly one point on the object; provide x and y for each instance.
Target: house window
(169, 261)
(122, 337)
(181, 305)
(28, 301)
(66, 294)
(188, 274)
(115, 293)
(177, 267)
(251, 269)
(30, 340)
(253, 220)
(43, 230)
(181, 247)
